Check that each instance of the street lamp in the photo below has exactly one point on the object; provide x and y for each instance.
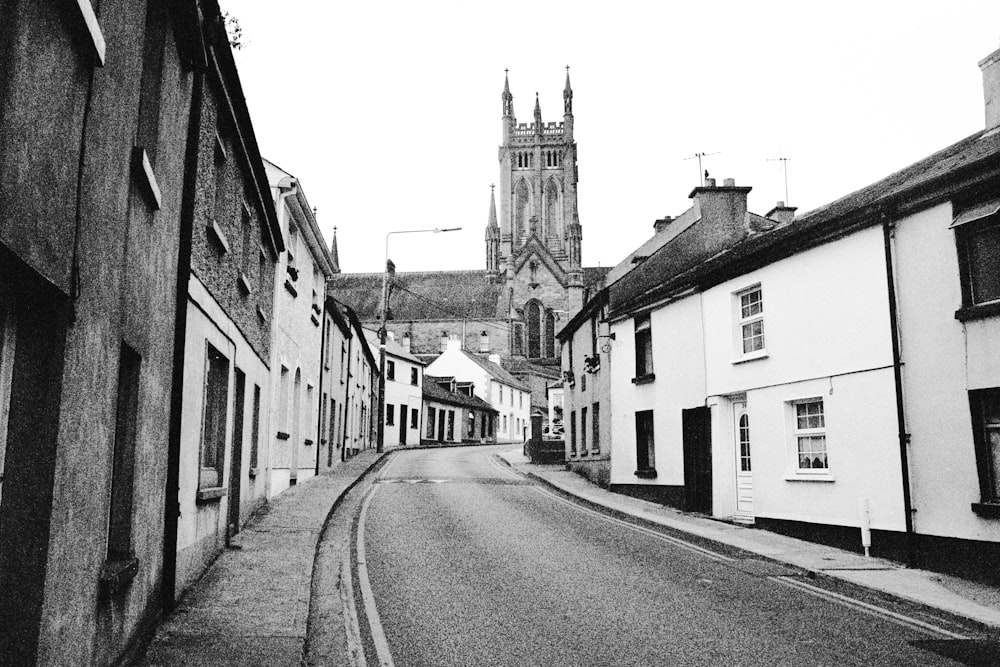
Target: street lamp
(380, 445)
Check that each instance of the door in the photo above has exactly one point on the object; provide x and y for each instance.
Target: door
(441, 425)
(695, 424)
(402, 425)
(236, 460)
(744, 476)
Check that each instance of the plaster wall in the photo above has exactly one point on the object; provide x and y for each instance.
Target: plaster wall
(943, 359)
(588, 390)
(401, 392)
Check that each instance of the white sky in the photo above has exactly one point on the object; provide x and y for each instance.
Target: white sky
(389, 112)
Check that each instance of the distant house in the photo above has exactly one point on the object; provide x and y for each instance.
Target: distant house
(297, 334)
(403, 394)
(362, 389)
(454, 414)
(337, 342)
(505, 393)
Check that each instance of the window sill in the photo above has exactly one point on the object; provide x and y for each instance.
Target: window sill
(644, 379)
(978, 311)
(807, 477)
(117, 574)
(646, 473)
(583, 452)
(93, 28)
(751, 356)
(210, 494)
(218, 237)
(291, 288)
(260, 315)
(307, 442)
(244, 284)
(281, 435)
(987, 510)
(144, 173)
(315, 320)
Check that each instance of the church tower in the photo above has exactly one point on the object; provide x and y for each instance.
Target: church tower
(537, 193)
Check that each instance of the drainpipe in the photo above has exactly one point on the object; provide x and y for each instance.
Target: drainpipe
(171, 508)
(322, 359)
(888, 226)
(347, 394)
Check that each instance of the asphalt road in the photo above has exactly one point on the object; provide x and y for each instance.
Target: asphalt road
(458, 560)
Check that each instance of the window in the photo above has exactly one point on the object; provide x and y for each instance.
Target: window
(255, 427)
(810, 435)
(472, 425)
(390, 370)
(443, 343)
(643, 348)
(505, 423)
(406, 341)
(501, 397)
(751, 320)
(213, 436)
(744, 435)
(979, 256)
(518, 338)
(534, 329)
(549, 336)
(414, 418)
(389, 416)
(520, 399)
(985, 408)
(484, 342)
(451, 424)
(414, 376)
(572, 433)
(583, 430)
(595, 423)
(644, 453)
(123, 462)
(332, 437)
(431, 413)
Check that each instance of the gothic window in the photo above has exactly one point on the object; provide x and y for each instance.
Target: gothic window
(534, 311)
(553, 210)
(549, 336)
(522, 210)
(518, 338)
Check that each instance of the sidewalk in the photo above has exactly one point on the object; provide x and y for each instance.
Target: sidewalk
(978, 602)
(252, 604)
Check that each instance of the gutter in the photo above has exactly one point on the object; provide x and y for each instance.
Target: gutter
(888, 227)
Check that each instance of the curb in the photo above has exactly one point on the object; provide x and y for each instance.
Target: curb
(313, 612)
(843, 586)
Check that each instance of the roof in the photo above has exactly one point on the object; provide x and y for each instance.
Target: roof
(521, 366)
(424, 295)
(303, 214)
(496, 371)
(391, 347)
(965, 164)
(432, 391)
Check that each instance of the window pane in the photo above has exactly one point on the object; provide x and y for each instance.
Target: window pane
(812, 452)
(984, 263)
(751, 304)
(753, 336)
(993, 443)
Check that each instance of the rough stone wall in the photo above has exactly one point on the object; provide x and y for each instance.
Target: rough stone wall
(220, 270)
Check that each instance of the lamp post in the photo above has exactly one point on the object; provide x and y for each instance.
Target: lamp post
(388, 268)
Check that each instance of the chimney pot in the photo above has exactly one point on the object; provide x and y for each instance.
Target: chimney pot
(661, 224)
(709, 182)
(729, 183)
(990, 66)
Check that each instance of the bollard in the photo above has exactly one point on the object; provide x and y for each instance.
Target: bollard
(866, 525)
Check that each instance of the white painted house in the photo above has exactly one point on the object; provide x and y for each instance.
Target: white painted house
(505, 393)
(296, 334)
(403, 393)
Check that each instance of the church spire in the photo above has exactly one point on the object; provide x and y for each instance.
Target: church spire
(334, 255)
(538, 115)
(492, 237)
(567, 96)
(492, 222)
(507, 98)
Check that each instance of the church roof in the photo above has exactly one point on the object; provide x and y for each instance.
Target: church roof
(424, 295)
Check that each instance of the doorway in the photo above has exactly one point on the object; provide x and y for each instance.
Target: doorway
(236, 458)
(744, 474)
(402, 425)
(697, 442)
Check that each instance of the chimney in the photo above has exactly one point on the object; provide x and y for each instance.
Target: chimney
(990, 65)
(782, 214)
(391, 336)
(723, 212)
(662, 224)
(454, 343)
(494, 358)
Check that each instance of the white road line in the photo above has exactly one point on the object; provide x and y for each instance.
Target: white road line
(639, 529)
(355, 649)
(506, 470)
(374, 622)
(901, 619)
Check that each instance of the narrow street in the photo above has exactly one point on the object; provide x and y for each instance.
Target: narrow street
(457, 560)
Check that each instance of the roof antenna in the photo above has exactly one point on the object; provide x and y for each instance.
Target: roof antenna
(784, 168)
(702, 173)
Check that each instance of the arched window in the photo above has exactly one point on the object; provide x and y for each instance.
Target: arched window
(534, 313)
(549, 336)
(553, 210)
(522, 210)
(444, 341)
(518, 338)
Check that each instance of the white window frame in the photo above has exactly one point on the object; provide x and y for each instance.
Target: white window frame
(746, 316)
(801, 430)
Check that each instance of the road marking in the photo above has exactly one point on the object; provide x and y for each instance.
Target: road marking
(352, 627)
(901, 619)
(374, 621)
(505, 469)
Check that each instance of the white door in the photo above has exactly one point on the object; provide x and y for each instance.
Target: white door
(744, 476)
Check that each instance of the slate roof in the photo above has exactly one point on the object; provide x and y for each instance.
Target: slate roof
(521, 366)
(436, 295)
(496, 371)
(432, 391)
(923, 184)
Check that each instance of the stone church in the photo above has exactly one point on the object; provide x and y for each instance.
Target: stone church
(533, 282)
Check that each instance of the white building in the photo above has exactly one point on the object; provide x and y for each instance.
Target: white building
(403, 393)
(508, 396)
(296, 334)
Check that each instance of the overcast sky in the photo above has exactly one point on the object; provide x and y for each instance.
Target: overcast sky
(389, 112)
